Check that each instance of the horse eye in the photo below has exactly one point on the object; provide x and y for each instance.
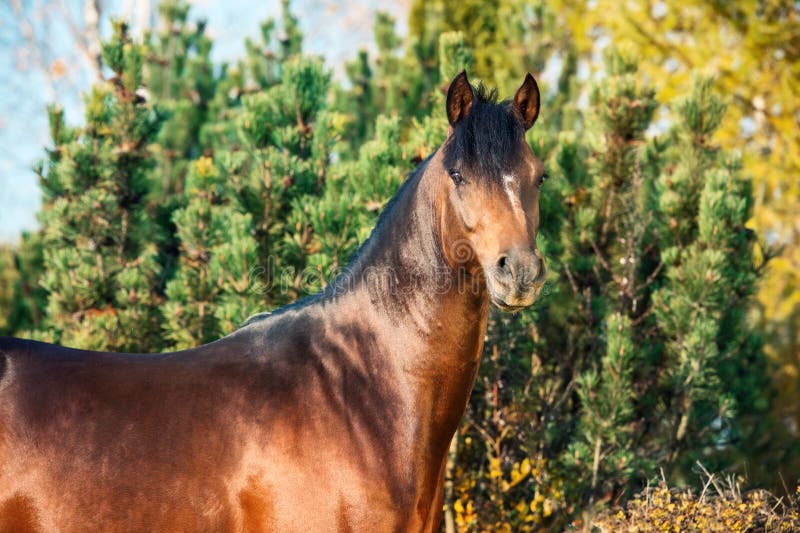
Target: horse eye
(542, 178)
(458, 179)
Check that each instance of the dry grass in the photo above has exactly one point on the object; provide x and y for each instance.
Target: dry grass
(720, 507)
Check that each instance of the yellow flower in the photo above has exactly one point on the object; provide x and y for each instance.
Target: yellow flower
(547, 509)
(458, 507)
(494, 468)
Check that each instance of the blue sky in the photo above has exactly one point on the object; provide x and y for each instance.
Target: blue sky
(336, 30)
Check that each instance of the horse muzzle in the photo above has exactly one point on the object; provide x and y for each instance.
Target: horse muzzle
(516, 278)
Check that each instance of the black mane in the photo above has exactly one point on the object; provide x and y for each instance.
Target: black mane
(341, 282)
(487, 139)
(344, 279)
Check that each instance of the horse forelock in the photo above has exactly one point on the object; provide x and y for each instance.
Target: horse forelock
(488, 140)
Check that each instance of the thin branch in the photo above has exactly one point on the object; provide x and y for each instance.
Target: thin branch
(88, 39)
(652, 277)
(26, 27)
(571, 279)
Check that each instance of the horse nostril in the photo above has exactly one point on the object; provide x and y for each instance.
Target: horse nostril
(521, 268)
(503, 264)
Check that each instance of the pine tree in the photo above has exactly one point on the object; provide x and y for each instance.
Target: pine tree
(178, 75)
(616, 229)
(245, 244)
(9, 278)
(391, 84)
(99, 266)
(211, 291)
(701, 309)
(744, 45)
(507, 37)
(23, 299)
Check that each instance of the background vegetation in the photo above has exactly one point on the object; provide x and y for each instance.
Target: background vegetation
(666, 340)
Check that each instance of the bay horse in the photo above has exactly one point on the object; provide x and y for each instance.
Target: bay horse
(331, 414)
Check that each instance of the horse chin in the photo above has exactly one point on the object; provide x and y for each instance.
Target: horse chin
(514, 302)
(507, 307)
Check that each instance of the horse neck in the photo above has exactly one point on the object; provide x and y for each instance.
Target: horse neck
(435, 318)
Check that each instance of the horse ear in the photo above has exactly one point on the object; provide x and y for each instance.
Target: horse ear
(459, 98)
(526, 101)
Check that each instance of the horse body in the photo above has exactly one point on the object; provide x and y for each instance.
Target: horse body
(230, 436)
(334, 414)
